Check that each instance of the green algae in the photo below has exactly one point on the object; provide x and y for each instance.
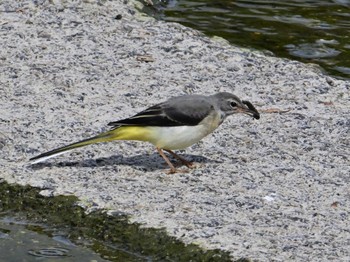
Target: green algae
(112, 237)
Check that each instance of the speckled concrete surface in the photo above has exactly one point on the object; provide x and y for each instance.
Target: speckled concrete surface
(274, 189)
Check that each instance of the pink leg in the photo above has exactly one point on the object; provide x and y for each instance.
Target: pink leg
(172, 168)
(183, 161)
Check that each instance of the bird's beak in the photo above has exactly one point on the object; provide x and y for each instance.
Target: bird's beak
(249, 109)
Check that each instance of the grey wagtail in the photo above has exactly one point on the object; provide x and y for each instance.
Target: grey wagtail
(174, 124)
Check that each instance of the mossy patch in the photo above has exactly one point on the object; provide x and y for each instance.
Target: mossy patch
(113, 237)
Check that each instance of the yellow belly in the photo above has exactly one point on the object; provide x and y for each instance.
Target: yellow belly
(172, 137)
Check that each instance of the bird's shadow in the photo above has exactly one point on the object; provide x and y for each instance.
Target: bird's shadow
(144, 162)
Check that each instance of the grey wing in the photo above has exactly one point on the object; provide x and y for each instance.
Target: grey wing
(188, 110)
(179, 111)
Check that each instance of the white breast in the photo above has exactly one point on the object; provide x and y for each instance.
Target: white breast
(180, 137)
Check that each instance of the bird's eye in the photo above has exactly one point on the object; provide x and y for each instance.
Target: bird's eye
(233, 104)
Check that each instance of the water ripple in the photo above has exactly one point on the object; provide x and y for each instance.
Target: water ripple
(310, 31)
(50, 252)
(312, 51)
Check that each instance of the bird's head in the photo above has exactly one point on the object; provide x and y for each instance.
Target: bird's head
(230, 104)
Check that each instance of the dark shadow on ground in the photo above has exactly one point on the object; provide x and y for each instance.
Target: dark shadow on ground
(144, 162)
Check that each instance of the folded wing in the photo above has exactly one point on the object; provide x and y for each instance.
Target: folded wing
(179, 111)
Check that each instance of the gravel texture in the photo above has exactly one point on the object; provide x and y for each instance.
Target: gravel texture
(274, 189)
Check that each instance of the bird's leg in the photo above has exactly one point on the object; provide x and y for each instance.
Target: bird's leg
(172, 168)
(183, 161)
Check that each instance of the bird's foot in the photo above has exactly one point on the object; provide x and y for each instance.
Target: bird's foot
(181, 159)
(189, 165)
(177, 170)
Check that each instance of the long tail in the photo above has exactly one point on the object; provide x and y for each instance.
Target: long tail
(104, 137)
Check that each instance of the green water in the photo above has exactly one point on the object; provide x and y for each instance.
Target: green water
(23, 241)
(316, 31)
(37, 228)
